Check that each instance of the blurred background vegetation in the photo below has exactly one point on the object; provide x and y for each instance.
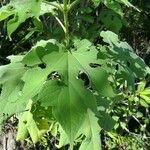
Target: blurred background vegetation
(132, 131)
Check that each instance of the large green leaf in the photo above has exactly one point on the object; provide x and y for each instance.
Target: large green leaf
(120, 53)
(22, 10)
(64, 95)
(67, 94)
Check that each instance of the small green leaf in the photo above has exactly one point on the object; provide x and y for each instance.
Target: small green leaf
(111, 20)
(141, 86)
(96, 2)
(6, 11)
(105, 121)
(146, 92)
(146, 98)
(144, 103)
(139, 114)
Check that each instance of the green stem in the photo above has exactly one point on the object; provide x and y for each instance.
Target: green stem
(66, 23)
(61, 24)
(71, 147)
(67, 8)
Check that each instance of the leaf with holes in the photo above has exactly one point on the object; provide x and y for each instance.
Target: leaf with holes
(22, 10)
(63, 93)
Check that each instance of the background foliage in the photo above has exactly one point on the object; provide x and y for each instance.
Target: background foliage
(127, 111)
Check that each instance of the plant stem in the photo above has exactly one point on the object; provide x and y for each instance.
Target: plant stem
(65, 2)
(66, 22)
(71, 147)
(67, 8)
(61, 24)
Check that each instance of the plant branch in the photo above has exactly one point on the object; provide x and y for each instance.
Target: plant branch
(54, 5)
(61, 24)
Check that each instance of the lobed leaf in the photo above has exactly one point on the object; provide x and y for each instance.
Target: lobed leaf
(120, 53)
(22, 10)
